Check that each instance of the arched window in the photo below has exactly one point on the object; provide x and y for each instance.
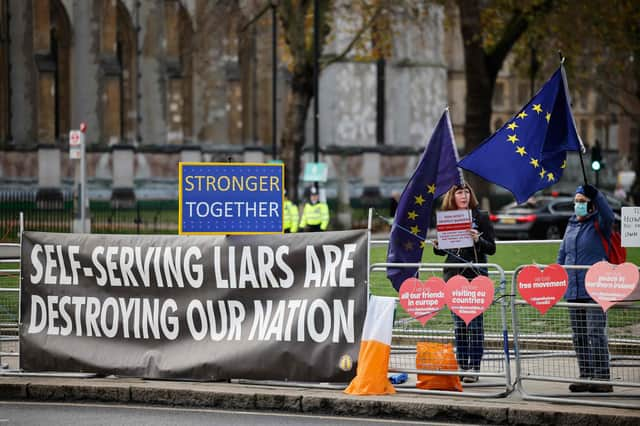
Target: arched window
(497, 123)
(186, 60)
(179, 35)
(5, 84)
(118, 61)
(126, 55)
(51, 44)
(60, 34)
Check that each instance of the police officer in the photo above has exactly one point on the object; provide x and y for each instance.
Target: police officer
(291, 215)
(315, 215)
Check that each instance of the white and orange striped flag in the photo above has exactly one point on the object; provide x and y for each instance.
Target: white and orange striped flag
(375, 350)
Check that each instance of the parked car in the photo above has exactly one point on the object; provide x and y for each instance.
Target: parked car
(543, 217)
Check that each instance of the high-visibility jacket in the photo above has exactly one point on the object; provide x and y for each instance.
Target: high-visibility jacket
(290, 216)
(315, 214)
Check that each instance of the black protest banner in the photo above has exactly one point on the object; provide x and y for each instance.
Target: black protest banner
(279, 307)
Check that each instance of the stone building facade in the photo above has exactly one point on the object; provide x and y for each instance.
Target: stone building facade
(163, 81)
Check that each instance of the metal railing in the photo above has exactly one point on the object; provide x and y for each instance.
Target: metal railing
(559, 346)
(541, 346)
(491, 332)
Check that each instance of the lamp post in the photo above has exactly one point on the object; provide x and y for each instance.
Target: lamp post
(274, 81)
(316, 74)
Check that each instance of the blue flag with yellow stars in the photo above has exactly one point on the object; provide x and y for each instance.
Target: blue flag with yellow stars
(435, 174)
(529, 152)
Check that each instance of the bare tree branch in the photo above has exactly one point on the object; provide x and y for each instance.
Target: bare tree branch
(262, 11)
(328, 61)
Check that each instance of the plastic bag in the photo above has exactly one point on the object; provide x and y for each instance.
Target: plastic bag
(437, 356)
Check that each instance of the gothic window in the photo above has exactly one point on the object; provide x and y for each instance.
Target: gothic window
(5, 86)
(498, 94)
(126, 57)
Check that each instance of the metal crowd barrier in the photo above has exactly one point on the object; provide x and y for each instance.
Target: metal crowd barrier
(9, 306)
(543, 349)
(545, 352)
(495, 372)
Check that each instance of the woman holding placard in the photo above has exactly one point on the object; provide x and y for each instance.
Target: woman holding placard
(469, 338)
(582, 245)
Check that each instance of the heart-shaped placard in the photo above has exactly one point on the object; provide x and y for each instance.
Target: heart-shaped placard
(609, 284)
(542, 289)
(469, 299)
(422, 300)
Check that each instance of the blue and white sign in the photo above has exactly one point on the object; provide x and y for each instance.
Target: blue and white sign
(231, 198)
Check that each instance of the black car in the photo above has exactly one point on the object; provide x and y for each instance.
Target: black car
(540, 218)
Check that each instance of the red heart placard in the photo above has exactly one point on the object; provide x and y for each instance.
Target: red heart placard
(609, 284)
(542, 289)
(469, 299)
(422, 300)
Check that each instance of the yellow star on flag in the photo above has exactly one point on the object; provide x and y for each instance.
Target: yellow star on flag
(423, 244)
(564, 164)
(522, 115)
(548, 117)
(520, 150)
(419, 199)
(550, 177)
(415, 230)
(542, 172)
(512, 126)
(412, 215)
(512, 138)
(537, 108)
(534, 163)
(408, 246)
(431, 189)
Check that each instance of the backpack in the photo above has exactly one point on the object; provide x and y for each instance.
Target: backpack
(616, 254)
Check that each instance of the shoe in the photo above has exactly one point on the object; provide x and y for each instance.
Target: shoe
(600, 388)
(580, 387)
(469, 379)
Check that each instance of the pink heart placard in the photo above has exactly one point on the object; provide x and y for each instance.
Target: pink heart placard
(469, 299)
(422, 300)
(542, 289)
(609, 284)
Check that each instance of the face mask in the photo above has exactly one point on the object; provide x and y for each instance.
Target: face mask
(580, 209)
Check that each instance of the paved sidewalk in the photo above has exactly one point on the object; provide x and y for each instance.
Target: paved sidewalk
(511, 410)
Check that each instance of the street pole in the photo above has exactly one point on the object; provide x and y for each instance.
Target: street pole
(83, 179)
(274, 82)
(316, 73)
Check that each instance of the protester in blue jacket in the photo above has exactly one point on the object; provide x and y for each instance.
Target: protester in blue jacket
(582, 245)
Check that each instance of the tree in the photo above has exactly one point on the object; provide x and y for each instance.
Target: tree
(489, 33)
(370, 38)
(602, 52)
(296, 18)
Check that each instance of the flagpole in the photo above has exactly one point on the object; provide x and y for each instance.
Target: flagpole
(584, 173)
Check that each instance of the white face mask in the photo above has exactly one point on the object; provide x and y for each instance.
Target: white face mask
(580, 208)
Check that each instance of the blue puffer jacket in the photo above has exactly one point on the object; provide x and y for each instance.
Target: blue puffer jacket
(582, 245)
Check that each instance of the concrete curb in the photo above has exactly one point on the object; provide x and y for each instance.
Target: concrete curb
(312, 401)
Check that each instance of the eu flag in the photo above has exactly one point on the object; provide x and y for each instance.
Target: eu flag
(435, 174)
(528, 153)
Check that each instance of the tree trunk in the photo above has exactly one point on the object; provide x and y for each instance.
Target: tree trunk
(293, 134)
(480, 83)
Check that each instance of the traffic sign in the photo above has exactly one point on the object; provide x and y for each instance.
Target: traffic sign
(75, 152)
(315, 172)
(76, 138)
